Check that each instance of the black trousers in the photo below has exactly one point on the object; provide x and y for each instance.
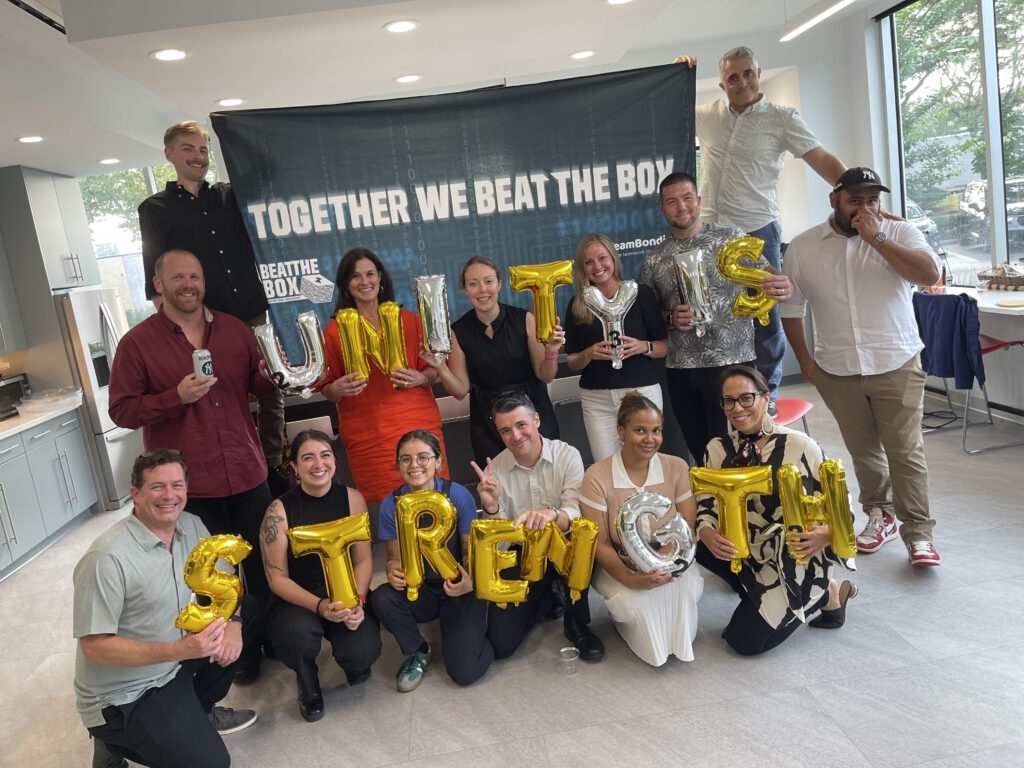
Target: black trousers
(465, 648)
(242, 514)
(168, 727)
(507, 627)
(695, 394)
(297, 633)
(747, 632)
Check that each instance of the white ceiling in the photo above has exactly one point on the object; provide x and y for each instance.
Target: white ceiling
(96, 92)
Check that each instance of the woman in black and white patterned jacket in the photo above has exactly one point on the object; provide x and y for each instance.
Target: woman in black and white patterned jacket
(777, 594)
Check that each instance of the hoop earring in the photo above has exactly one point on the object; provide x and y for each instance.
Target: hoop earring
(767, 423)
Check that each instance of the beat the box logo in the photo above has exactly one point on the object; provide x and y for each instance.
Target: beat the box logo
(295, 280)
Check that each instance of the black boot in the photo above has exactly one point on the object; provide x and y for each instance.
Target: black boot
(311, 698)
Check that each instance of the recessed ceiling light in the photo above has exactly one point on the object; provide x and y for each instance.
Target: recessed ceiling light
(169, 54)
(30, 139)
(109, 161)
(581, 55)
(408, 78)
(618, 2)
(232, 101)
(401, 25)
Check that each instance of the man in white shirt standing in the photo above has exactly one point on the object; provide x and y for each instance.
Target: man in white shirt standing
(858, 271)
(743, 142)
(534, 481)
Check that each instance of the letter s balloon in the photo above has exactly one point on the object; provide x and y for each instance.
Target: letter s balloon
(204, 578)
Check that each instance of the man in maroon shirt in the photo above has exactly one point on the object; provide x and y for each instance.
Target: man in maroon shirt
(152, 386)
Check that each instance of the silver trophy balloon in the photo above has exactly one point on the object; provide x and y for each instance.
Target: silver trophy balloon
(612, 313)
(646, 523)
(692, 280)
(432, 298)
(294, 379)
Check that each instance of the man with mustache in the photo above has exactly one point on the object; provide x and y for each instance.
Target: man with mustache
(858, 271)
(153, 387)
(193, 215)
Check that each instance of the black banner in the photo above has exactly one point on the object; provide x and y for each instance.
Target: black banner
(516, 174)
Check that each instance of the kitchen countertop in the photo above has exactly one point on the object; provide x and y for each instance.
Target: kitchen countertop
(20, 423)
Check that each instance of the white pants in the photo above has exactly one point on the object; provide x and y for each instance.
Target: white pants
(600, 407)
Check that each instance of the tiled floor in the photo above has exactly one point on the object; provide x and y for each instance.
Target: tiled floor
(927, 671)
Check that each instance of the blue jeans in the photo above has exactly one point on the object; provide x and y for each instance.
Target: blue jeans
(769, 341)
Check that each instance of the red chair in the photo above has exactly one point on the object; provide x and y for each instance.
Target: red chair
(791, 409)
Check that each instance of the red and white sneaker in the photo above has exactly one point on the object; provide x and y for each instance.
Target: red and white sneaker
(923, 553)
(879, 529)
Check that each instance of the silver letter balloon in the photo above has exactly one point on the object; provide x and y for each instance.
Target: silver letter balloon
(294, 379)
(432, 298)
(612, 312)
(692, 280)
(646, 523)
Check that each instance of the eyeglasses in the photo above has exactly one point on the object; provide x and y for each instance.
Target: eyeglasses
(420, 458)
(746, 400)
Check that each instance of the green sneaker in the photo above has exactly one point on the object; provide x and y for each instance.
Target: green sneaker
(410, 674)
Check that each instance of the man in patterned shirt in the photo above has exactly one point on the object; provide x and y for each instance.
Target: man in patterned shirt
(695, 362)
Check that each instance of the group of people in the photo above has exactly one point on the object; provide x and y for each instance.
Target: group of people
(145, 690)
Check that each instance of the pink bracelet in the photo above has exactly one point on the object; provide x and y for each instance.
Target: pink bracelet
(548, 356)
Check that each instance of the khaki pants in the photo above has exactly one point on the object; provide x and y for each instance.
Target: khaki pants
(880, 419)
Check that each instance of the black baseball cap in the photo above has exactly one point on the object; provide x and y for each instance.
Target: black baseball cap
(856, 178)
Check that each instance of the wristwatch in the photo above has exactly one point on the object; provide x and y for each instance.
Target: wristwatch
(879, 238)
(234, 617)
(650, 348)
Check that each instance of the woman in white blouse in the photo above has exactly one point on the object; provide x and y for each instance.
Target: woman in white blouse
(655, 612)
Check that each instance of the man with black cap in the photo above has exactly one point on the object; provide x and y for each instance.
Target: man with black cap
(858, 271)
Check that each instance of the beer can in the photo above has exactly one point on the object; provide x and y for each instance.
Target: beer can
(202, 363)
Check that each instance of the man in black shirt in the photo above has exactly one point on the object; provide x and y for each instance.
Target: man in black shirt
(192, 215)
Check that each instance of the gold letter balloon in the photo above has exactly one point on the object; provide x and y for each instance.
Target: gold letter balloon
(203, 577)
(486, 561)
(416, 544)
(542, 279)
(731, 487)
(330, 542)
(361, 342)
(832, 507)
(757, 305)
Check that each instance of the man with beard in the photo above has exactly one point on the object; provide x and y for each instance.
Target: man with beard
(153, 387)
(694, 364)
(193, 215)
(858, 271)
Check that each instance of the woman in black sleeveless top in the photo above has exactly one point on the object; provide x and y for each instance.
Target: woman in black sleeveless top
(301, 615)
(495, 352)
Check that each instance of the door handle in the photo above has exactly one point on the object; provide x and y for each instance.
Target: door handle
(71, 476)
(64, 477)
(7, 506)
(41, 434)
(65, 423)
(8, 450)
(3, 526)
(3, 337)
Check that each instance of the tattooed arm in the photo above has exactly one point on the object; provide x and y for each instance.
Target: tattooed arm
(274, 545)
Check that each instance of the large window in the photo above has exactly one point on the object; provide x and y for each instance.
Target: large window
(111, 203)
(1009, 19)
(945, 139)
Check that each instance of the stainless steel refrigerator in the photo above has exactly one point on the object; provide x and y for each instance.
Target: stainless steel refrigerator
(93, 322)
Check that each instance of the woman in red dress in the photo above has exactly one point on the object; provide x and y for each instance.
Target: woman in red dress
(373, 413)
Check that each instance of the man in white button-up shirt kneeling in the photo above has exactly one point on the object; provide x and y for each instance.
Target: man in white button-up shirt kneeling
(534, 481)
(858, 271)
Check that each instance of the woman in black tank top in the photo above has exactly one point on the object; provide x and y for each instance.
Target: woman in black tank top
(302, 615)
